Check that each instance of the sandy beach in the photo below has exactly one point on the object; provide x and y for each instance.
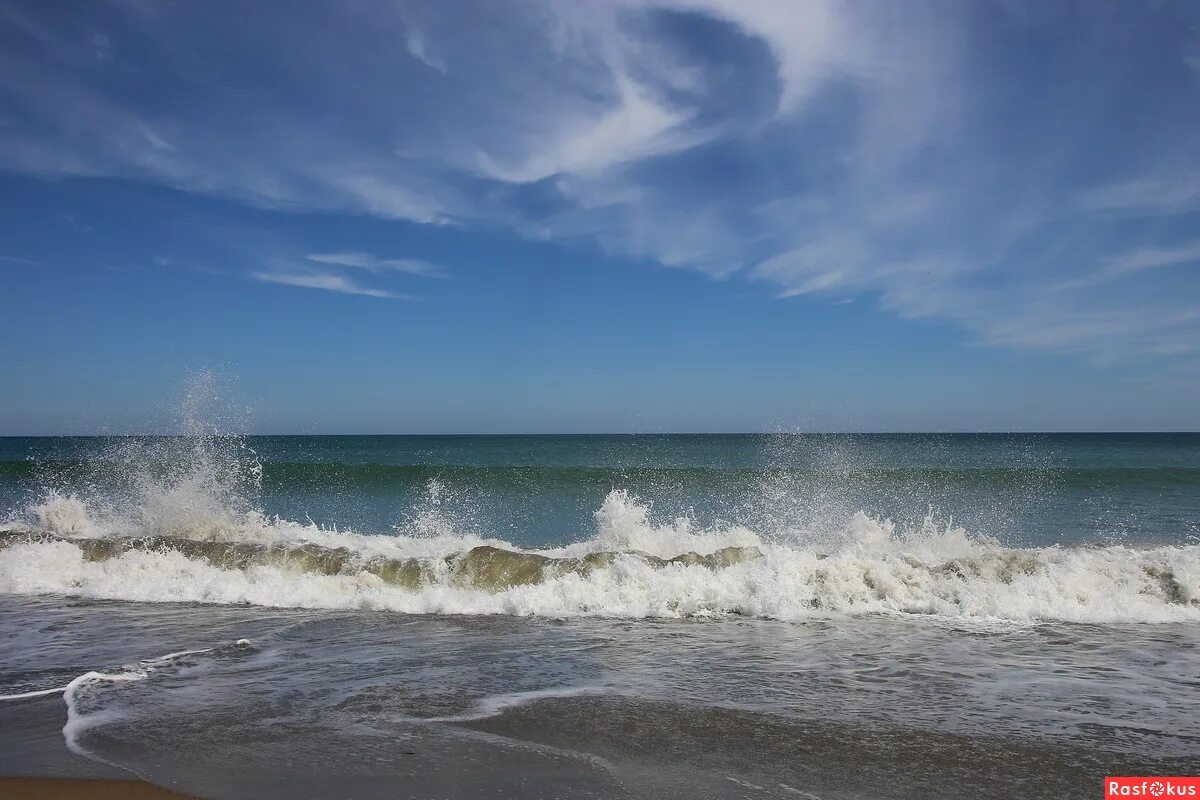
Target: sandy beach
(82, 788)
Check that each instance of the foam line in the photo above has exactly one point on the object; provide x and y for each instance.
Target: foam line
(78, 721)
(31, 695)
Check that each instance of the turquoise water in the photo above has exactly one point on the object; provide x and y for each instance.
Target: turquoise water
(1028, 489)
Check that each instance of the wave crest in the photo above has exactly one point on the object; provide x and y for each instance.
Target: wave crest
(631, 567)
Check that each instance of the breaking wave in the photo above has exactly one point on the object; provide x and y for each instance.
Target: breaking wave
(177, 521)
(631, 566)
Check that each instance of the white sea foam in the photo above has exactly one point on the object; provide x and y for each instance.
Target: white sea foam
(79, 720)
(496, 704)
(34, 694)
(65, 515)
(623, 523)
(877, 569)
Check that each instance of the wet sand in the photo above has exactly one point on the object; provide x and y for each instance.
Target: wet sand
(82, 788)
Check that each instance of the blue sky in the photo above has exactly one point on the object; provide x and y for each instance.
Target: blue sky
(687, 215)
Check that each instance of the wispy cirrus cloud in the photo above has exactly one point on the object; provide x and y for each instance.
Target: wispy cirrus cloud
(330, 272)
(1153, 257)
(326, 282)
(18, 260)
(921, 156)
(414, 40)
(357, 260)
(1133, 262)
(1151, 195)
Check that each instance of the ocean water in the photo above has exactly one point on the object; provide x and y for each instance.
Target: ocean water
(609, 616)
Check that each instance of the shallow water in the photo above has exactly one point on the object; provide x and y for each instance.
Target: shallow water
(376, 704)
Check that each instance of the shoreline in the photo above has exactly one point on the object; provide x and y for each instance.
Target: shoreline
(35, 763)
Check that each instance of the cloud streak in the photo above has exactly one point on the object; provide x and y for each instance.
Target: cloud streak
(356, 260)
(326, 282)
(1170, 194)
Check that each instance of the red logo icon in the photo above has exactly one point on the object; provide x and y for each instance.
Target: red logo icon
(1155, 786)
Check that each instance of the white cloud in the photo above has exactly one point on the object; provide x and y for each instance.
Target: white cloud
(326, 282)
(408, 266)
(1167, 194)
(636, 128)
(415, 42)
(1131, 263)
(1152, 257)
(834, 263)
(1108, 334)
(810, 40)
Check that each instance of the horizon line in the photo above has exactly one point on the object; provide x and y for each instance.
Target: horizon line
(1163, 432)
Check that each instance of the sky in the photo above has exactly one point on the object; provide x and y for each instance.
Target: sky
(637, 215)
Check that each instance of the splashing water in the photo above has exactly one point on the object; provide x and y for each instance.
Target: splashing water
(632, 567)
(183, 521)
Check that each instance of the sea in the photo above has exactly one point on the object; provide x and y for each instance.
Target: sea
(654, 616)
